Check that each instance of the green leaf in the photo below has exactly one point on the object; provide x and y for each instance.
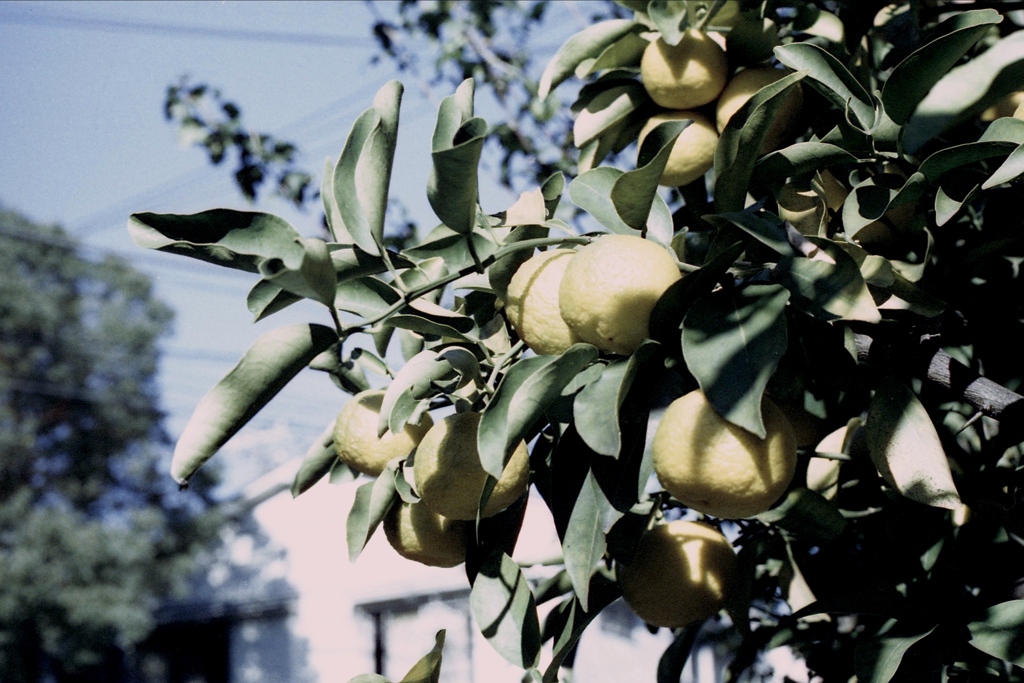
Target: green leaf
(574, 621)
(808, 515)
(906, 449)
(967, 90)
(269, 364)
(1001, 632)
(367, 297)
(596, 408)
(673, 659)
(634, 191)
(371, 505)
(830, 77)
(732, 342)
(363, 172)
(955, 156)
(457, 144)
(443, 242)
(500, 273)
(584, 543)
(419, 378)
(505, 610)
(602, 111)
(428, 668)
(310, 276)
(912, 78)
(316, 463)
(1012, 168)
(266, 298)
(829, 286)
(669, 17)
(527, 390)
(767, 229)
(233, 239)
(350, 262)
(591, 191)
(746, 131)
(798, 159)
(624, 53)
(588, 43)
(878, 659)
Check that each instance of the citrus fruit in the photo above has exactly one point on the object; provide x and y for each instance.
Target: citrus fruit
(742, 87)
(1004, 107)
(449, 477)
(802, 206)
(681, 574)
(417, 533)
(694, 150)
(715, 467)
(685, 75)
(355, 435)
(609, 290)
(532, 302)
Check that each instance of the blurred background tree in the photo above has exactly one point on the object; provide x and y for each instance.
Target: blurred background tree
(92, 533)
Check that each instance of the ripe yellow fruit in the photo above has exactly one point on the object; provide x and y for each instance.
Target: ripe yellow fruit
(532, 302)
(742, 87)
(448, 475)
(610, 288)
(694, 150)
(686, 75)
(681, 574)
(419, 534)
(715, 467)
(803, 207)
(1004, 107)
(355, 435)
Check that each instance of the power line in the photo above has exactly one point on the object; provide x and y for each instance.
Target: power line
(191, 31)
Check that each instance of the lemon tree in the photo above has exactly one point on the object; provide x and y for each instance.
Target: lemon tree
(633, 347)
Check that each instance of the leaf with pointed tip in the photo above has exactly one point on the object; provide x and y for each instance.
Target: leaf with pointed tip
(372, 502)
(316, 463)
(732, 342)
(233, 239)
(1001, 632)
(634, 191)
(912, 78)
(764, 227)
(808, 515)
(596, 408)
(267, 298)
(500, 273)
(906, 449)
(588, 43)
(798, 159)
(311, 275)
(746, 131)
(584, 543)
(455, 150)
(830, 289)
(529, 387)
(1012, 168)
(367, 297)
(605, 109)
(506, 611)
(415, 381)
(876, 660)
(830, 77)
(269, 364)
(966, 90)
(573, 621)
(428, 668)
(670, 18)
(624, 53)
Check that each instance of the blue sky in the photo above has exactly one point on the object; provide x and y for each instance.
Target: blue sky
(84, 144)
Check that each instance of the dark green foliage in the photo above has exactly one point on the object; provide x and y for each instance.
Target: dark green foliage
(91, 534)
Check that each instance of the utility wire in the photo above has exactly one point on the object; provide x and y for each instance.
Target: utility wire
(190, 31)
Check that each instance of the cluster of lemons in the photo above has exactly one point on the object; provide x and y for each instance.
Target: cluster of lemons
(691, 80)
(602, 294)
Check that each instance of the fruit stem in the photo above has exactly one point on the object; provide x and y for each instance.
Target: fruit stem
(703, 21)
